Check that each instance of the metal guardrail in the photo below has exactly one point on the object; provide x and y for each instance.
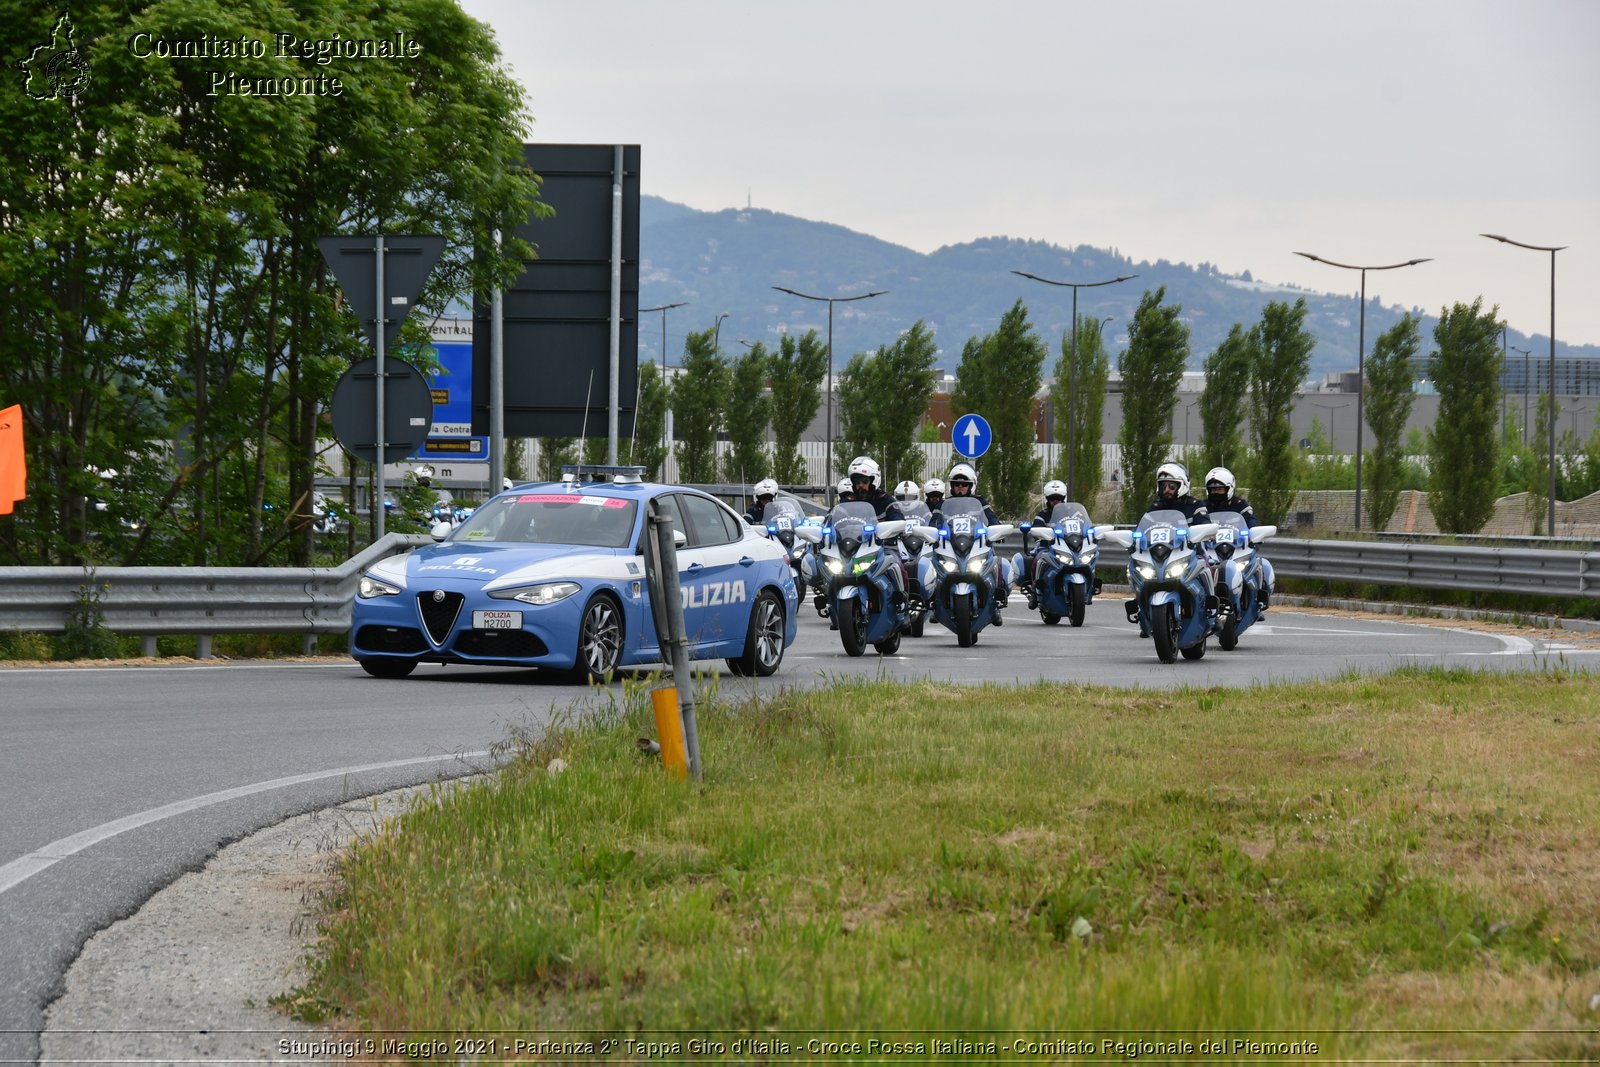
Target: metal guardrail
(154, 601)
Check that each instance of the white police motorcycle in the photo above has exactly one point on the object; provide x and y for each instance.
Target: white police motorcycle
(1239, 573)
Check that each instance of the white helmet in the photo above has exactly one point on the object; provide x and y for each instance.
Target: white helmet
(934, 485)
(846, 487)
(964, 472)
(765, 487)
(864, 467)
(907, 490)
(1055, 487)
(1223, 475)
(1172, 472)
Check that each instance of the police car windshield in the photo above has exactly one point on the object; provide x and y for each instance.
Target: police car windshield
(552, 519)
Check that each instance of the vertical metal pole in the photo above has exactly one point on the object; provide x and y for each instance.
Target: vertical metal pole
(666, 423)
(1505, 363)
(827, 475)
(675, 640)
(382, 453)
(1526, 388)
(1361, 390)
(497, 383)
(616, 305)
(1072, 406)
(1552, 525)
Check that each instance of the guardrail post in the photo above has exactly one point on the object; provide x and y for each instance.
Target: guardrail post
(204, 650)
(147, 646)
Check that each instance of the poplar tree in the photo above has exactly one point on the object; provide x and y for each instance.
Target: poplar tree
(999, 376)
(1094, 371)
(882, 398)
(699, 398)
(796, 370)
(1223, 403)
(748, 413)
(1391, 370)
(1280, 360)
(1152, 368)
(1464, 445)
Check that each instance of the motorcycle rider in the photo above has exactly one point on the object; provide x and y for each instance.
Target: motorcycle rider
(1222, 495)
(846, 491)
(964, 483)
(933, 491)
(1172, 494)
(765, 491)
(1055, 492)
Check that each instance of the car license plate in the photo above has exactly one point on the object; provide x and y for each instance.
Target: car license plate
(497, 620)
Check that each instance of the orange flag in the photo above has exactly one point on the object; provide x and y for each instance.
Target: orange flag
(13, 466)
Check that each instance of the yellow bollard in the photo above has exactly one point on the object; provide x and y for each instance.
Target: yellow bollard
(669, 727)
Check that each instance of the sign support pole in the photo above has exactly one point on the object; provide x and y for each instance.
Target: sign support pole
(616, 304)
(382, 437)
(497, 372)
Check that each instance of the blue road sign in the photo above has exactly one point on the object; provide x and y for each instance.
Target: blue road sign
(971, 436)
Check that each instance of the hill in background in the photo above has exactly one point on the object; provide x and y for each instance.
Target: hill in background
(729, 260)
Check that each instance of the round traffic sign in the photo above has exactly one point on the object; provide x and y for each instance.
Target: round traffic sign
(407, 410)
(971, 436)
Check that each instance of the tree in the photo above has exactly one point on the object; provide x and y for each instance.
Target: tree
(796, 371)
(174, 292)
(699, 398)
(650, 424)
(1280, 359)
(999, 376)
(1538, 467)
(1223, 403)
(1151, 367)
(555, 453)
(882, 399)
(1391, 369)
(749, 410)
(1094, 371)
(1464, 445)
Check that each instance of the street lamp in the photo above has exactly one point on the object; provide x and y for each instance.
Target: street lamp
(1361, 356)
(1552, 249)
(716, 333)
(666, 424)
(831, 300)
(1526, 384)
(1072, 374)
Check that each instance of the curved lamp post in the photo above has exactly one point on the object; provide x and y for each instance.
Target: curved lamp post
(666, 427)
(1072, 376)
(827, 476)
(1361, 356)
(1552, 249)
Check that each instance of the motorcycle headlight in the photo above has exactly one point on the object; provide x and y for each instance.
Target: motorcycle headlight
(949, 565)
(862, 564)
(370, 587)
(538, 595)
(975, 566)
(1145, 570)
(1176, 568)
(835, 566)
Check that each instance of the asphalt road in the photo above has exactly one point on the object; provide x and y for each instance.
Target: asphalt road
(115, 780)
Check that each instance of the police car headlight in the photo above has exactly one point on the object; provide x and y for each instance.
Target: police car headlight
(1176, 568)
(1146, 571)
(538, 595)
(835, 566)
(370, 587)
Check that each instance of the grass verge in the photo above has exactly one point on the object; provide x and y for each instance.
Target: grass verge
(1395, 867)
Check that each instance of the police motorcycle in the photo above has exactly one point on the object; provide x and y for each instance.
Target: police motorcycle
(779, 520)
(863, 575)
(1239, 575)
(962, 573)
(1065, 555)
(1172, 582)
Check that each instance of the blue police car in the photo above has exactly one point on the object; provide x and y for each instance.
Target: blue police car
(552, 575)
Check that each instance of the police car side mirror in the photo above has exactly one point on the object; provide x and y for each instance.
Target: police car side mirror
(440, 531)
(679, 539)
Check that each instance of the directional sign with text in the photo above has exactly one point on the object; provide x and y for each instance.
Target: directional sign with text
(971, 436)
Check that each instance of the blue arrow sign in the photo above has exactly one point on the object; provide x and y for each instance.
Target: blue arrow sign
(971, 436)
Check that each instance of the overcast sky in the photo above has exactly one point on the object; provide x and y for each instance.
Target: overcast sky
(1236, 133)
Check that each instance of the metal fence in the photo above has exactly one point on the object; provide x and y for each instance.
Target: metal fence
(153, 601)
(156, 601)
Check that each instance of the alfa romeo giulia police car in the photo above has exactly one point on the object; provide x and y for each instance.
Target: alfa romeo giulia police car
(553, 575)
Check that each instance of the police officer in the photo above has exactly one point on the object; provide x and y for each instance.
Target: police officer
(1172, 494)
(765, 491)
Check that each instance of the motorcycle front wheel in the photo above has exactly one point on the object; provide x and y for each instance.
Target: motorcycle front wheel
(852, 627)
(1164, 630)
(961, 620)
(1076, 604)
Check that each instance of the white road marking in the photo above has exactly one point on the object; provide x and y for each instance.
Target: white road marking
(21, 869)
